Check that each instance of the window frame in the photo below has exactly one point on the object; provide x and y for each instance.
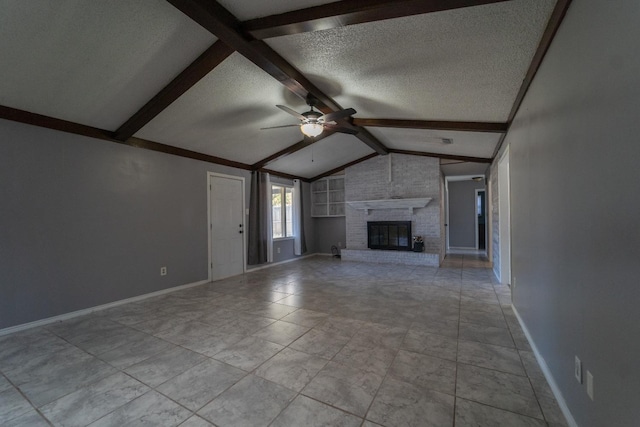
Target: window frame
(283, 212)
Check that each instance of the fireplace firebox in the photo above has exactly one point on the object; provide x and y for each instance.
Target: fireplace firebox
(389, 235)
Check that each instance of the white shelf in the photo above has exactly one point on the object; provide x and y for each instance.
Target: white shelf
(327, 196)
(410, 204)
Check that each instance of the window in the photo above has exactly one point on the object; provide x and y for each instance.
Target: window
(282, 211)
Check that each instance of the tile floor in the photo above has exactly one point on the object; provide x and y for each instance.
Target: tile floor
(313, 342)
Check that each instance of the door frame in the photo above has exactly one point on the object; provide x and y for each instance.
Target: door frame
(504, 218)
(447, 207)
(210, 177)
(478, 191)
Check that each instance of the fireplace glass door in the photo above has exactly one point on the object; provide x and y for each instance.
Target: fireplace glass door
(389, 235)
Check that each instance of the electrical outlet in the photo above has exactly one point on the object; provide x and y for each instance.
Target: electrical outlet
(163, 271)
(278, 250)
(590, 385)
(577, 370)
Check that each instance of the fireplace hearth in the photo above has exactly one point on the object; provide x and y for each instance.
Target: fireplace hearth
(389, 235)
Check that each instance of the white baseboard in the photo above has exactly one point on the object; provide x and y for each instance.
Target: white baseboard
(547, 374)
(273, 264)
(67, 316)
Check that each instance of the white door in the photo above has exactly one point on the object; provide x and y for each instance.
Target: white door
(226, 216)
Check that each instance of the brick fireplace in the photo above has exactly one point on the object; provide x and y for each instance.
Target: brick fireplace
(396, 187)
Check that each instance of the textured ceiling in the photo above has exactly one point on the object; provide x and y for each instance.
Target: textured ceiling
(249, 9)
(326, 154)
(471, 144)
(464, 64)
(97, 63)
(92, 62)
(223, 113)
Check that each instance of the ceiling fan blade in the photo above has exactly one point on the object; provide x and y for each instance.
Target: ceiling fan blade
(338, 115)
(292, 112)
(342, 129)
(278, 127)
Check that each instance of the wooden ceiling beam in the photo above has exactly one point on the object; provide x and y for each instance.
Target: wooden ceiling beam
(558, 14)
(40, 120)
(291, 149)
(490, 127)
(284, 175)
(220, 22)
(207, 61)
(348, 12)
(105, 135)
(443, 156)
(47, 122)
(343, 167)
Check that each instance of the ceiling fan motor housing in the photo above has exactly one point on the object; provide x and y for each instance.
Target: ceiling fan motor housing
(312, 116)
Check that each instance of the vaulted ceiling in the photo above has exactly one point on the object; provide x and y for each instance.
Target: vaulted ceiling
(200, 78)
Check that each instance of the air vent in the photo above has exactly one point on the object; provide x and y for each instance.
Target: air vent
(447, 141)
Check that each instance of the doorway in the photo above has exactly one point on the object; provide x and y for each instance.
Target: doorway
(226, 226)
(481, 220)
(462, 213)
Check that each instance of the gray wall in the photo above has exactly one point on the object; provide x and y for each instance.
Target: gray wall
(329, 232)
(575, 209)
(85, 222)
(462, 213)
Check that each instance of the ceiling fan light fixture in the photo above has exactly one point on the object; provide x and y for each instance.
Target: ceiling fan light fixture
(311, 129)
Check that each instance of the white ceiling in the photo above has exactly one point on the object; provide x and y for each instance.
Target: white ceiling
(335, 150)
(96, 63)
(92, 62)
(471, 144)
(249, 9)
(223, 113)
(464, 64)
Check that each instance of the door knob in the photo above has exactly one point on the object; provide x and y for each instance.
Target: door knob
(240, 231)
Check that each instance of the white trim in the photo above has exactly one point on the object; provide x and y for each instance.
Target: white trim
(71, 315)
(488, 244)
(504, 219)
(273, 264)
(547, 373)
(211, 175)
(446, 206)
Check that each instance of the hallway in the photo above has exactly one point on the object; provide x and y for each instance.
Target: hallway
(314, 342)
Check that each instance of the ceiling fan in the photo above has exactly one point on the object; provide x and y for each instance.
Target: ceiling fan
(314, 122)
